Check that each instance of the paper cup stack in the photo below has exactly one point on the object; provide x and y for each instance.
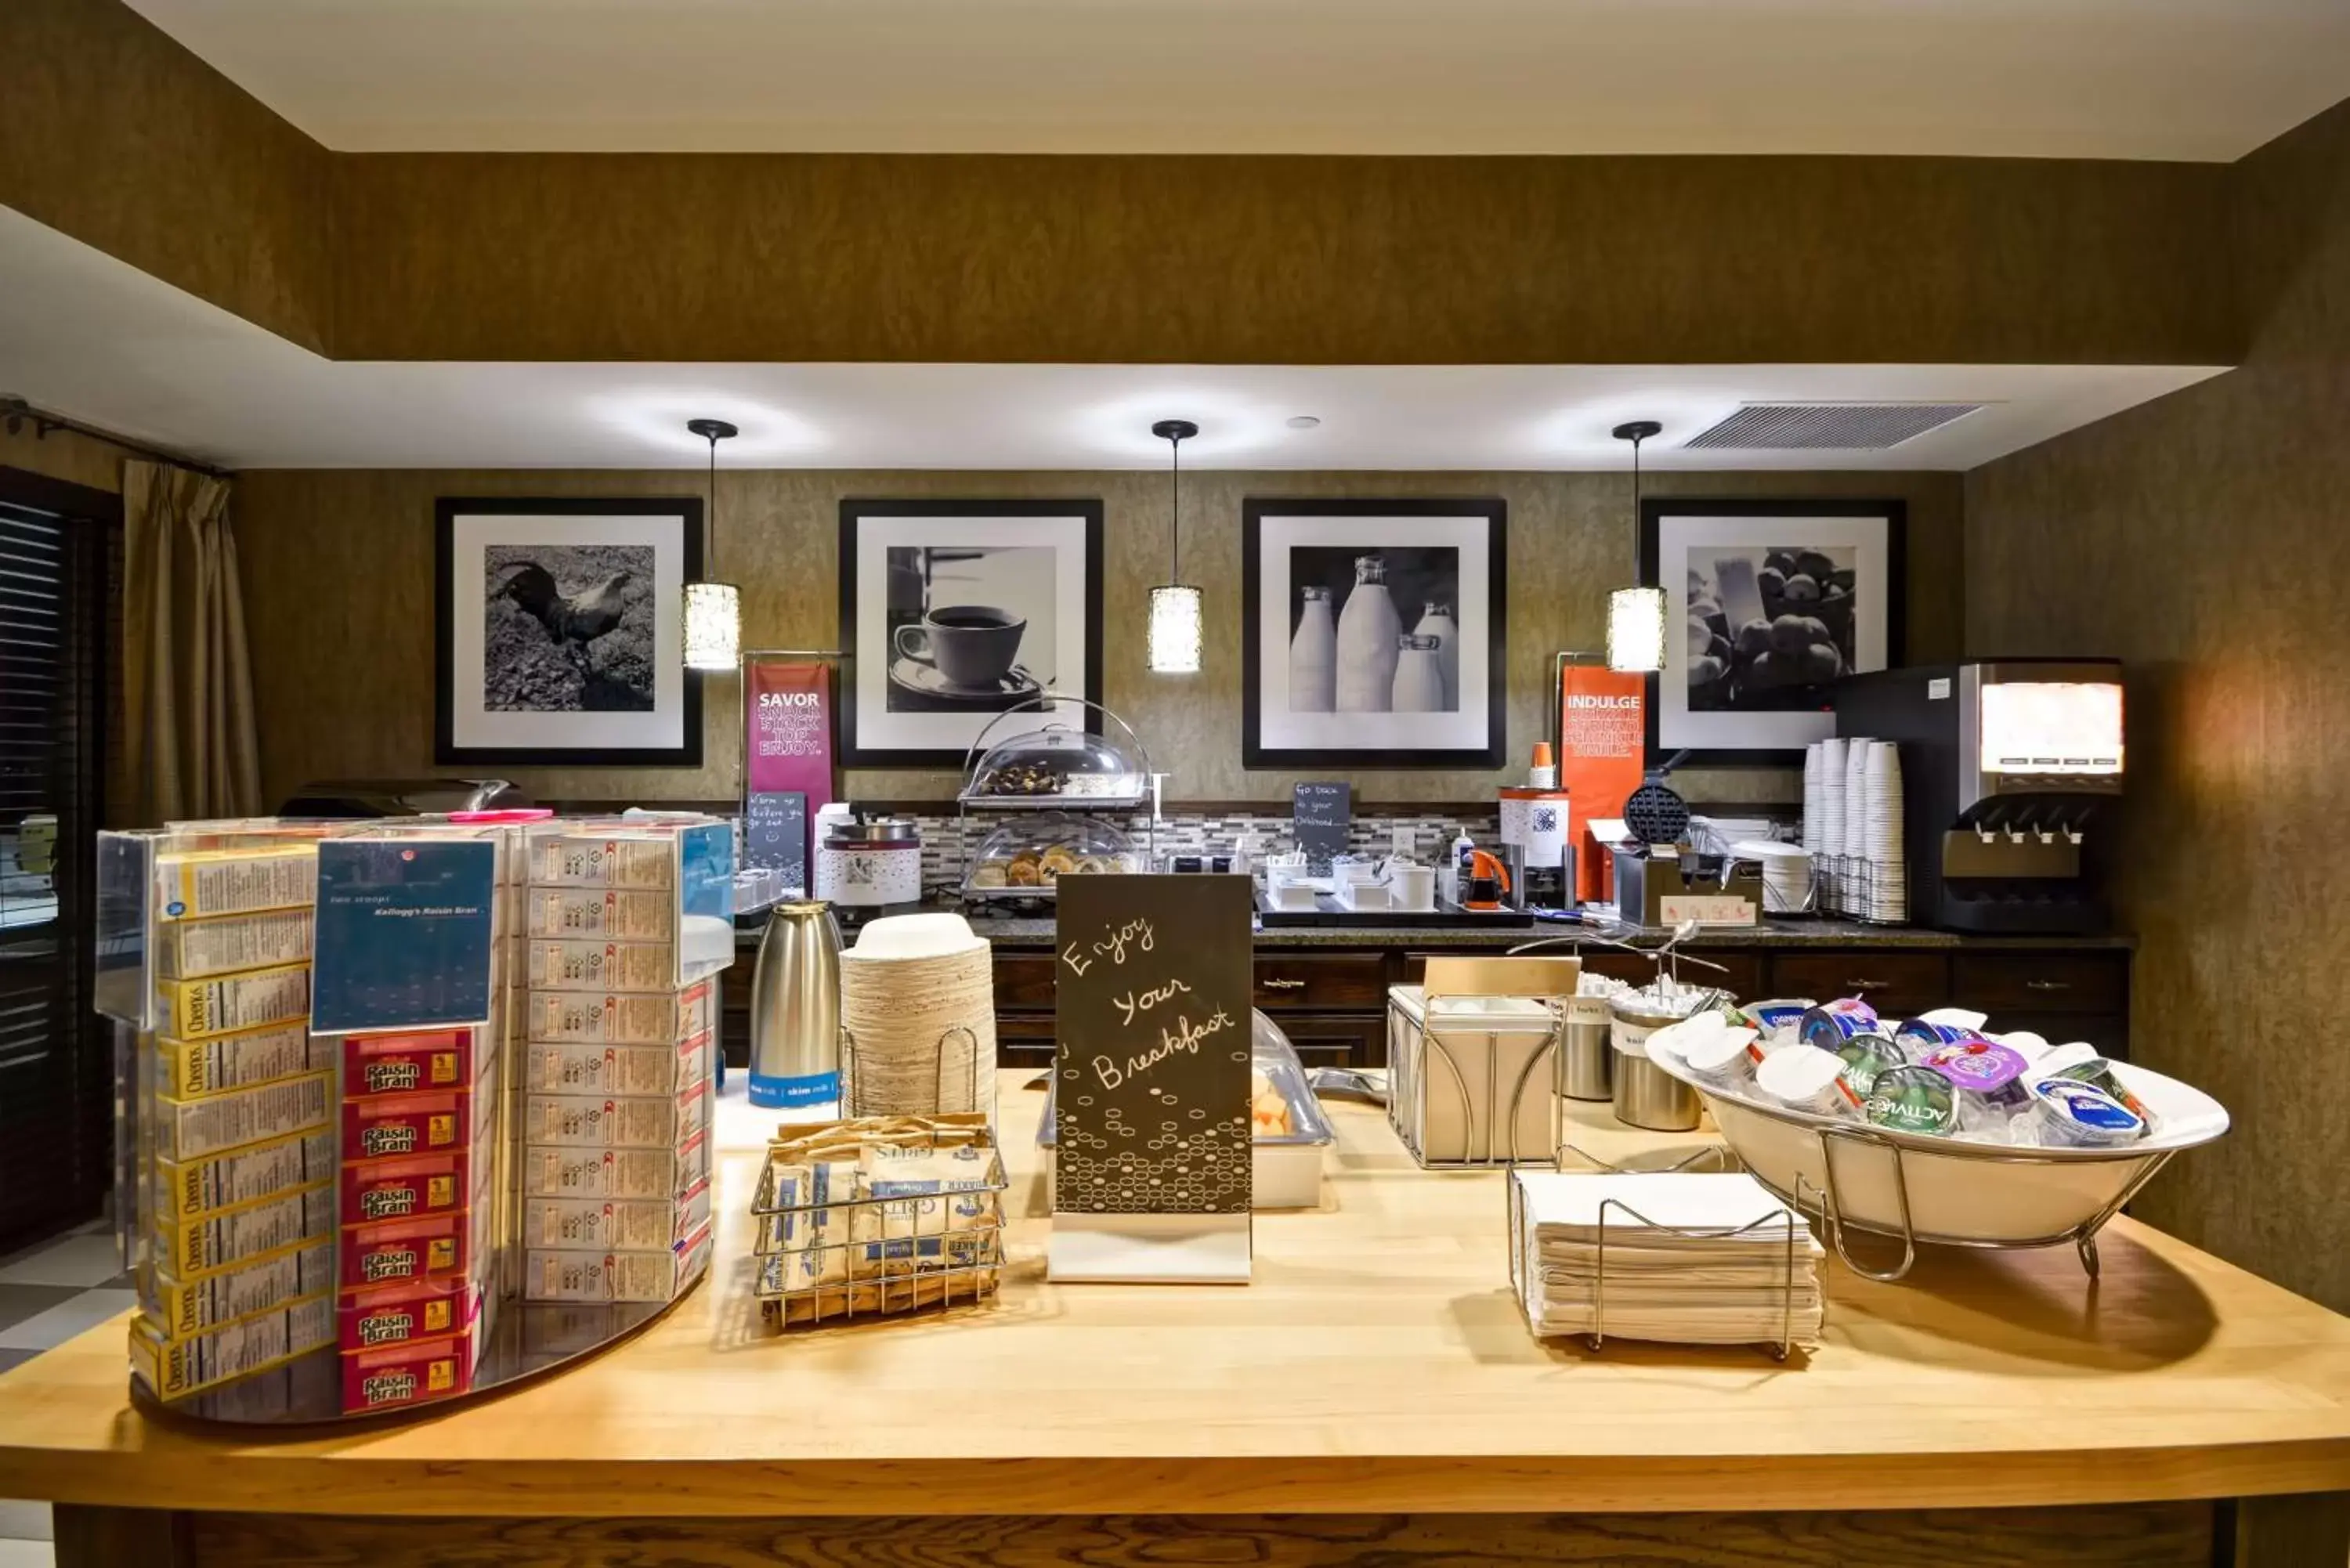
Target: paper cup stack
(1889, 868)
(1833, 757)
(918, 1003)
(1814, 796)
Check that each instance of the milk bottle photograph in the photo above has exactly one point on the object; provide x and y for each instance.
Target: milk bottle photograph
(1313, 656)
(1436, 620)
(1368, 626)
(1419, 677)
(1374, 631)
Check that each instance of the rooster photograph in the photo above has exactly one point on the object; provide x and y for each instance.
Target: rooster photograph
(569, 629)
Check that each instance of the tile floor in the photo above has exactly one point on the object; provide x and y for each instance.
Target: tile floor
(49, 1293)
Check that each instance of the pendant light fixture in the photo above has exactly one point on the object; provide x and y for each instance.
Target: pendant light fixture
(1636, 616)
(714, 610)
(1175, 606)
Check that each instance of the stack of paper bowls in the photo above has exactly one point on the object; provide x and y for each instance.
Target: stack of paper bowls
(918, 1004)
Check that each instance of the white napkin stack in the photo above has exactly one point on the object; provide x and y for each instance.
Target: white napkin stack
(1680, 1266)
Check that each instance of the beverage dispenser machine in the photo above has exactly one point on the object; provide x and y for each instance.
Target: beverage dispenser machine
(2009, 770)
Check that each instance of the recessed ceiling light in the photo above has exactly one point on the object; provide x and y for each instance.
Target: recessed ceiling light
(1302, 421)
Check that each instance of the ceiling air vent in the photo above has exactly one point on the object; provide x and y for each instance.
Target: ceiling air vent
(1839, 427)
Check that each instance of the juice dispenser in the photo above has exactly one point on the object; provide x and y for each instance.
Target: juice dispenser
(2010, 769)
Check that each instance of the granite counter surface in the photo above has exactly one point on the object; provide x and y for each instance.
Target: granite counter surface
(1013, 932)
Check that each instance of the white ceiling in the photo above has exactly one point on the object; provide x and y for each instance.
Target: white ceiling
(2206, 79)
(95, 338)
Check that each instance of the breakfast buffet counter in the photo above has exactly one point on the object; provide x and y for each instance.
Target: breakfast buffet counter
(1375, 1388)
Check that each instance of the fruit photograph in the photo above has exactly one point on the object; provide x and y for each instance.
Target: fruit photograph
(1768, 627)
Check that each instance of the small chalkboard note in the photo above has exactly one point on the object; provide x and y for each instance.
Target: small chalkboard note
(1322, 813)
(403, 933)
(1152, 1082)
(774, 825)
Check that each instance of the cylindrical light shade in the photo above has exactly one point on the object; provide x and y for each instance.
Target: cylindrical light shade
(714, 625)
(1636, 630)
(1175, 630)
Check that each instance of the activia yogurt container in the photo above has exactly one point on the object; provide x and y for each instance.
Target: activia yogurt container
(1913, 1100)
(2069, 1113)
(1865, 1057)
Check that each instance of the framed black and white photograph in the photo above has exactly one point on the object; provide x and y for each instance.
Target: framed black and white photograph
(1374, 633)
(1766, 604)
(560, 635)
(953, 612)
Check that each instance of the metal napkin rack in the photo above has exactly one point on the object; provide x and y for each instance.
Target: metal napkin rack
(1788, 1216)
(873, 1256)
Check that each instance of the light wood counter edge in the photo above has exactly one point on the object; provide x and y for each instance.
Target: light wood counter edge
(244, 1480)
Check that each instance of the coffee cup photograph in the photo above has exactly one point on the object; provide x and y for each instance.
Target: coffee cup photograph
(970, 626)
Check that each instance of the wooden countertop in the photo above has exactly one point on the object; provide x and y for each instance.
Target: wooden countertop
(1377, 1364)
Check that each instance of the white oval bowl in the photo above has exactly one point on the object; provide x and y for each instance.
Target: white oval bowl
(1963, 1193)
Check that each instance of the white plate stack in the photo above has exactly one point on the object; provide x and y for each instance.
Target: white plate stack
(1786, 873)
(1889, 867)
(1687, 1259)
(918, 1003)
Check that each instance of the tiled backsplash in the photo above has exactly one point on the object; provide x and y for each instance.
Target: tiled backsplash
(1187, 833)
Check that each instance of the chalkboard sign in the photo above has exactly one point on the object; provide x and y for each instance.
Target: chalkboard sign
(775, 826)
(1321, 814)
(403, 934)
(1151, 1100)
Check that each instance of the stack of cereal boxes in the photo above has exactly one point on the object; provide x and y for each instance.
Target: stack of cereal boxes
(418, 1205)
(616, 1050)
(238, 1211)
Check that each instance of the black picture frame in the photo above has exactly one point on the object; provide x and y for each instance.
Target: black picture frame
(853, 749)
(681, 513)
(1255, 752)
(1655, 511)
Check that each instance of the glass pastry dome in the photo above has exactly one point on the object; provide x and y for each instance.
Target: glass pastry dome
(1025, 858)
(1054, 765)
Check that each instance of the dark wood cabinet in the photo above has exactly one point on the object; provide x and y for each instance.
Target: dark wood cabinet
(1332, 1001)
(2042, 982)
(1892, 982)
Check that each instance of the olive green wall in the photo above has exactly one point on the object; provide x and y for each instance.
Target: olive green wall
(121, 138)
(339, 594)
(61, 454)
(2199, 538)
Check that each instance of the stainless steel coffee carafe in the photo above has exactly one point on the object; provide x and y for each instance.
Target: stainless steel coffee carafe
(796, 1008)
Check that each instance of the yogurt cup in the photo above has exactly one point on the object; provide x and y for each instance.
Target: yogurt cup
(1777, 1023)
(1865, 1057)
(2069, 1113)
(1803, 1078)
(1988, 1078)
(1720, 1057)
(1831, 1024)
(1912, 1099)
(2098, 1074)
(1919, 1035)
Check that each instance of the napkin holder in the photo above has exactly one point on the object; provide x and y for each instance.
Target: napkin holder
(1666, 884)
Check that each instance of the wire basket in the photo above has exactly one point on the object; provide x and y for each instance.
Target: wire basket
(877, 1215)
